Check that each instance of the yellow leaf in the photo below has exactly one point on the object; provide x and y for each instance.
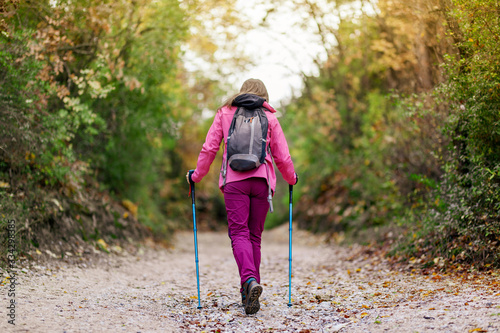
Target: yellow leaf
(132, 207)
(364, 314)
(125, 215)
(4, 185)
(102, 245)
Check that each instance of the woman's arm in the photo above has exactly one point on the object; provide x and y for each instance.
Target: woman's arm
(280, 152)
(209, 149)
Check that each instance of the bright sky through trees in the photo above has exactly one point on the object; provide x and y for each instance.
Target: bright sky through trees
(280, 47)
(284, 43)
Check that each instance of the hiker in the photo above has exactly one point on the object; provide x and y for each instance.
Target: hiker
(247, 194)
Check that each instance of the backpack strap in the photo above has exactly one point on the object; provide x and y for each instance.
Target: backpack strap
(264, 127)
(230, 132)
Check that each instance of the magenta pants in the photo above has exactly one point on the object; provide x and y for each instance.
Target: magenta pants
(246, 206)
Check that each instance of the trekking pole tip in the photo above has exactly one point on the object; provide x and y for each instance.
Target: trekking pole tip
(200, 307)
(289, 304)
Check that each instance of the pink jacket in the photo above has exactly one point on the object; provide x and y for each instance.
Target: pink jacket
(275, 138)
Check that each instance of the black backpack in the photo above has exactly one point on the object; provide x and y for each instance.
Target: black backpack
(247, 139)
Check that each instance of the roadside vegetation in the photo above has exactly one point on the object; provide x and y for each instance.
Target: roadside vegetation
(397, 139)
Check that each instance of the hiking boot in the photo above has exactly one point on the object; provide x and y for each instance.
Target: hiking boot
(251, 291)
(243, 298)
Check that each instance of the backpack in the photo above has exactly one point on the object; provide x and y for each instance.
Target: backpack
(247, 139)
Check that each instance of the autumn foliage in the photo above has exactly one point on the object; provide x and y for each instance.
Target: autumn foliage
(397, 137)
(89, 100)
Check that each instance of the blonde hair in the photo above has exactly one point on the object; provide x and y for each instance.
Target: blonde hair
(250, 86)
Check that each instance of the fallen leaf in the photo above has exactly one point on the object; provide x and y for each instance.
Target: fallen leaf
(102, 245)
(132, 207)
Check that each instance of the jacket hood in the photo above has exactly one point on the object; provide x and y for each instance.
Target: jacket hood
(251, 101)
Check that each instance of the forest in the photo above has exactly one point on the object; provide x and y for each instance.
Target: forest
(396, 136)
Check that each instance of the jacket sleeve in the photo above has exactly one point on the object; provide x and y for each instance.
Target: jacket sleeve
(209, 149)
(281, 154)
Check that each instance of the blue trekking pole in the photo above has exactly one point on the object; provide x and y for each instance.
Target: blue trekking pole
(290, 188)
(191, 190)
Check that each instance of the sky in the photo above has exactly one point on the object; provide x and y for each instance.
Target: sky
(285, 47)
(281, 50)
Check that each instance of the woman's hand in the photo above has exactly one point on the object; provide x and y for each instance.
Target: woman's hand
(188, 177)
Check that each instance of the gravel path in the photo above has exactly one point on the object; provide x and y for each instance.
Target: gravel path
(335, 289)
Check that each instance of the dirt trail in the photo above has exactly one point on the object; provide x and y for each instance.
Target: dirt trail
(335, 289)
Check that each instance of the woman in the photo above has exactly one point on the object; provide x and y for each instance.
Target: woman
(246, 193)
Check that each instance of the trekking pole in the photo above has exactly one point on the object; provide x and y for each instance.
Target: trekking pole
(290, 188)
(195, 237)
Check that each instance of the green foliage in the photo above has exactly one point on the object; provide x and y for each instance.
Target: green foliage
(424, 156)
(400, 126)
(461, 222)
(90, 96)
(134, 154)
(343, 133)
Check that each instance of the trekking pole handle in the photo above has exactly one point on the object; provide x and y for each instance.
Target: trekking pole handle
(191, 184)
